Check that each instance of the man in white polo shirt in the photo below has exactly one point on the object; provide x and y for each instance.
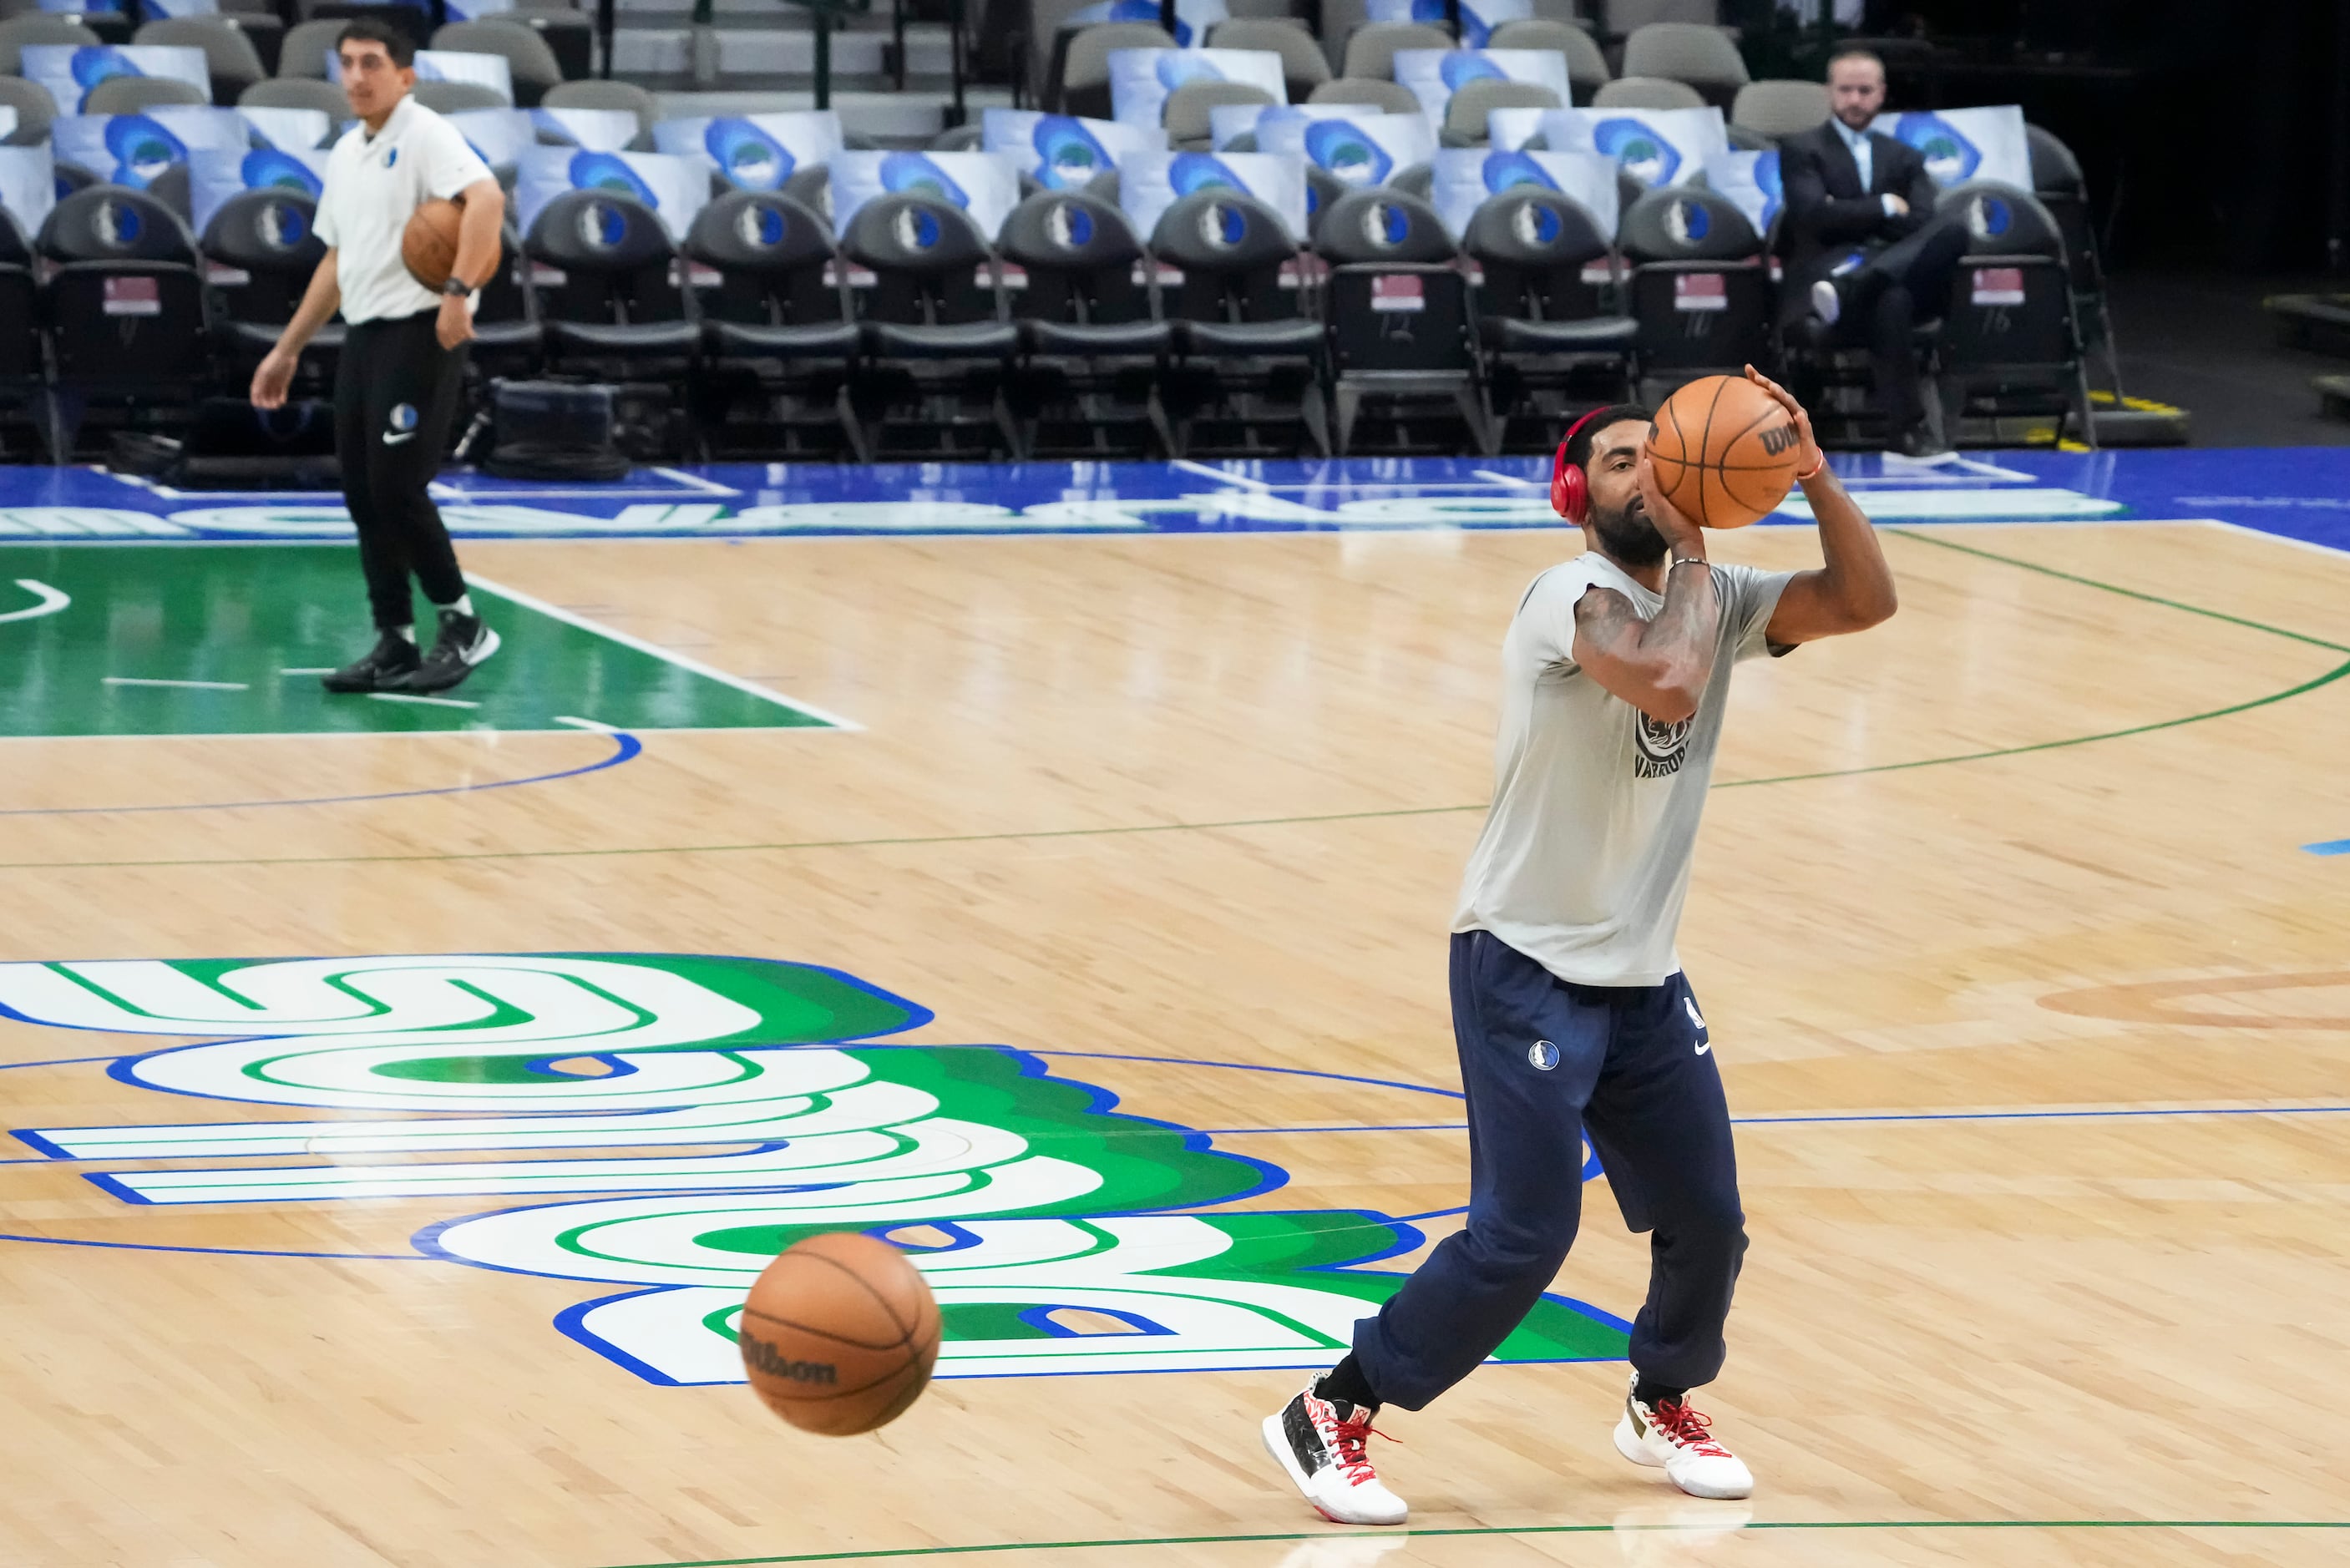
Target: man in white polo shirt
(403, 357)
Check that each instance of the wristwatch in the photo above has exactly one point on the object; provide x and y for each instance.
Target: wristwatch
(456, 288)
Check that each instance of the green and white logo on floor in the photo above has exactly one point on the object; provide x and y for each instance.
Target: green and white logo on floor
(681, 1119)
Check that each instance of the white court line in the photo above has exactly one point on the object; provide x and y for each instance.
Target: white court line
(594, 628)
(52, 601)
(322, 669)
(411, 697)
(1186, 465)
(189, 685)
(2276, 538)
(596, 725)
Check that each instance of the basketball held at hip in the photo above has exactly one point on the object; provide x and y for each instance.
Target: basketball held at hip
(428, 246)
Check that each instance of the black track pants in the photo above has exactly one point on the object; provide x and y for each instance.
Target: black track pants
(395, 392)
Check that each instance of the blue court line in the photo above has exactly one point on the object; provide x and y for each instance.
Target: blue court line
(1255, 1067)
(216, 1251)
(2331, 846)
(1866, 1117)
(625, 749)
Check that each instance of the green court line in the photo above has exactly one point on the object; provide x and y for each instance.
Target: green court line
(877, 1553)
(787, 846)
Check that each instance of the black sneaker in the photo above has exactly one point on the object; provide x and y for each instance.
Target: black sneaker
(464, 641)
(1319, 1443)
(386, 667)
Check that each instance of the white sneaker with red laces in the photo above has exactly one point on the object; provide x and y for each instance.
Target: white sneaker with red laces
(1320, 1443)
(1674, 1438)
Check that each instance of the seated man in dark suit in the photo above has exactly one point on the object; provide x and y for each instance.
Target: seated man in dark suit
(1866, 248)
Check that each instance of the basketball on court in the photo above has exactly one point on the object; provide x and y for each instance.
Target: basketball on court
(1725, 451)
(427, 246)
(839, 1334)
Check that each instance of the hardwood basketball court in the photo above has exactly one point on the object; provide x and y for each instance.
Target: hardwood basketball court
(2030, 1000)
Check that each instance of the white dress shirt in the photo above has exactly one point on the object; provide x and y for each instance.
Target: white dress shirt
(1864, 157)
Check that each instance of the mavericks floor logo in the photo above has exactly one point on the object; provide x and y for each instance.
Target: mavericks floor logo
(674, 1121)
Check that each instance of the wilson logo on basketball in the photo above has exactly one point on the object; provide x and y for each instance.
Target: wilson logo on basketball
(762, 1357)
(1778, 439)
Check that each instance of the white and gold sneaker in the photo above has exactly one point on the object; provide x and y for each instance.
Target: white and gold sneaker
(1675, 1439)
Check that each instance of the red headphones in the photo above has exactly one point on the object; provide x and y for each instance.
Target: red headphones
(1570, 487)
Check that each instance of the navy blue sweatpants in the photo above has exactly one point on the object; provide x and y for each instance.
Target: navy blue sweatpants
(1545, 1062)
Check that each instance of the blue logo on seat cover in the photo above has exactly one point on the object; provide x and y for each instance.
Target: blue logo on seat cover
(760, 224)
(1345, 150)
(266, 169)
(118, 224)
(282, 224)
(1950, 156)
(1387, 225)
(1069, 226)
(1637, 151)
(1688, 222)
(1463, 66)
(1129, 10)
(1190, 172)
(141, 148)
(1535, 224)
(95, 64)
(1068, 153)
(749, 158)
(1503, 169)
(1990, 217)
(1767, 181)
(913, 174)
(609, 171)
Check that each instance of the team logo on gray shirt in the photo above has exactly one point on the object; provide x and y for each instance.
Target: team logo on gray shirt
(1661, 747)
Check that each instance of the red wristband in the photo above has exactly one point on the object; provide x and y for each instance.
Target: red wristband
(1815, 470)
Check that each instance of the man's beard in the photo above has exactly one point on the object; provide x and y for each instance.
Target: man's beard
(1626, 534)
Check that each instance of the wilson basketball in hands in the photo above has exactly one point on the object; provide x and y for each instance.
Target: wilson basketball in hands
(839, 1334)
(1724, 451)
(428, 246)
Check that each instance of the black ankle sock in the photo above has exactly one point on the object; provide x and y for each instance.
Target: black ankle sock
(1652, 1394)
(1346, 1381)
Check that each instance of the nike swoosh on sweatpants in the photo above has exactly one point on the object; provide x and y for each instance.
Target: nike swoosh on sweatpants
(391, 440)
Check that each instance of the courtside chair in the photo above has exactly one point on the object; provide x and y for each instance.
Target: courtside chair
(1397, 300)
(780, 340)
(530, 59)
(610, 299)
(35, 109)
(300, 92)
(136, 95)
(173, 189)
(2010, 344)
(1586, 65)
(1322, 188)
(1303, 67)
(1248, 329)
(1095, 348)
(938, 334)
(1080, 80)
(124, 304)
(1553, 341)
(509, 339)
(230, 58)
(1700, 286)
(1777, 108)
(1386, 97)
(262, 247)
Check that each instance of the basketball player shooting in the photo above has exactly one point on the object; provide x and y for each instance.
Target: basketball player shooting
(403, 355)
(1570, 1010)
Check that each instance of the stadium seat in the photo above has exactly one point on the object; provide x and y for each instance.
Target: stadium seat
(1626, 16)
(1551, 342)
(568, 32)
(1081, 85)
(258, 20)
(1777, 108)
(778, 336)
(1034, 47)
(1303, 67)
(531, 62)
(299, 92)
(1415, 180)
(1322, 188)
(936, 330)
(1386, 97)
(1587, 67)
(306, 46)
(261, 249)
(1094, 344)
(1185, 113)
(2057, 181)
(72, 177)
(1701, 287)
(40, 27)
(34, 108)
(124, 300)
(230, 58)
(1465, 124)
(508, 338)
(1702, 57)
(2010, 343)
(610, 294)
(1397, 305)
(134, 95)
(1647, 93)
(170, 187)
(1251, 338)
(455, 98)
(965, 138)
(606, 95)
(1371, 49)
